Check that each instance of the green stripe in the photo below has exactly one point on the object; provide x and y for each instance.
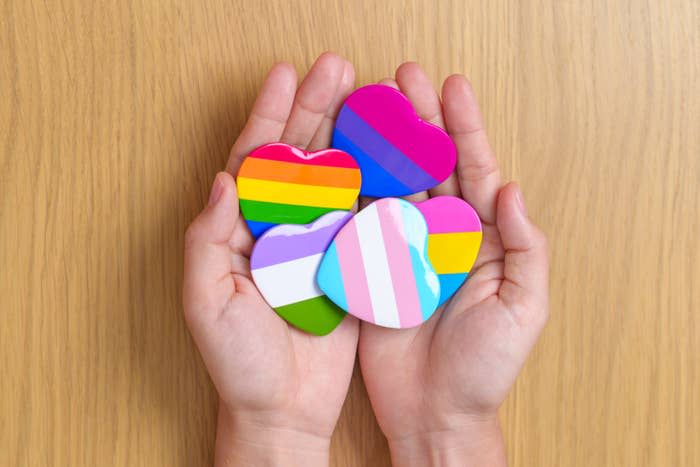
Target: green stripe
(276, 213)
(316, 315)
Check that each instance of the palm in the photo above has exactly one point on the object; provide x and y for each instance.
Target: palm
(261, 366)
(462, 361)
(287, 368)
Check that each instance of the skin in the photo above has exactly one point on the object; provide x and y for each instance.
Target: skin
(435, 389)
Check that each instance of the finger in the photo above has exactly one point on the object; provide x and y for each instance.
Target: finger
(416, 85)
(208, 282)
(524, 288)
(269, 115)
(391, 82)
(322, 138)
(477, 170)
(313, 99)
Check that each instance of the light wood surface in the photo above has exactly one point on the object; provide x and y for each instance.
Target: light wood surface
(115, 116)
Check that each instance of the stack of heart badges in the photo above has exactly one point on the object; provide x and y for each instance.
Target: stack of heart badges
(393, 263)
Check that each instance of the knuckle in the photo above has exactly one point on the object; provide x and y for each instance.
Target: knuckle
(478, 168)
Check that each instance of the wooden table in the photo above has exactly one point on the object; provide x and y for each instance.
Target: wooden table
(115, 116)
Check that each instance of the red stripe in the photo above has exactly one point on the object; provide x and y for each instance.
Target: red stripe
(286, 153)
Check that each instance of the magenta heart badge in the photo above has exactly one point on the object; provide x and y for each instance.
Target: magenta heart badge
(398, 153)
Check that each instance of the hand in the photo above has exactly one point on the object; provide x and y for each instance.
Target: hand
(281, 390)
(436, 388)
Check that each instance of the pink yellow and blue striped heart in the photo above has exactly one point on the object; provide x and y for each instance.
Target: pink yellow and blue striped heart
(398, 153)
(454, 239)
(377, 267)
(284, 264)
(282, 184)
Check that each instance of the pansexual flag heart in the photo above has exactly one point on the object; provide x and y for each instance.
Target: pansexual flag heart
(284, 264)
(281, 184)
(399, 153)
(377, 267)
(454, 239)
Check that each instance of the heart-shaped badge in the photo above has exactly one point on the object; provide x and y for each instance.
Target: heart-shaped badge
(284, 264)
(281, 184)
(377, 267)
(399, 153)
(454, 239)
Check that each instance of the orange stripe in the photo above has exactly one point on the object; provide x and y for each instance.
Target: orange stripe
(303, 174)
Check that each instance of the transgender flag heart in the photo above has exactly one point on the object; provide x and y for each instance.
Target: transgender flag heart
(377, 267)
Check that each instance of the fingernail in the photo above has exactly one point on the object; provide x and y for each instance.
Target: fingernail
(519, 199)
(216, 191)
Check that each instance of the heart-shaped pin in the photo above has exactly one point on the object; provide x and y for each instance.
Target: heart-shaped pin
(454, 239)
(399, 153)
(377, 267)
(284, 264)
(281, 184)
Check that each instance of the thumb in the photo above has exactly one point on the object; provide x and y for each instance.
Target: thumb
(208, 282)
(525, 285)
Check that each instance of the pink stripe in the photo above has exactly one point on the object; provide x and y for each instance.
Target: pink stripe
(352, 270)
(446, 214)
(400, 265)
(417, 139)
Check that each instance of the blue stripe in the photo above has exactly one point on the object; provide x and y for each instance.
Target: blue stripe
(375, 180)
(259, 228)
(329, 278)
(449, 284)
(374, 146)
(427, 282)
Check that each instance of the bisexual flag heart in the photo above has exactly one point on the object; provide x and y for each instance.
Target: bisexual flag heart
(398, 153)
(281, 184)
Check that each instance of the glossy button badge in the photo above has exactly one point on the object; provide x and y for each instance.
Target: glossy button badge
(284, 264)
(377, 267)
(281, 184)
(454, 239)
(399, 153)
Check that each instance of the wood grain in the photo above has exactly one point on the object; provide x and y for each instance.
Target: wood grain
(115, 116)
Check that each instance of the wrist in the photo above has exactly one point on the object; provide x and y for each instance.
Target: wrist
(246, 442)
(478, 442)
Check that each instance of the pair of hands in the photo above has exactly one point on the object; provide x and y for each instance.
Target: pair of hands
(436, 388)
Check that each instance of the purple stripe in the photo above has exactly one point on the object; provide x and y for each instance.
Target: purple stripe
(288, 242)
(382, 151)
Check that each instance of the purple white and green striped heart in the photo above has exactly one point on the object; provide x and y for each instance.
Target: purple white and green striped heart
(284, 264)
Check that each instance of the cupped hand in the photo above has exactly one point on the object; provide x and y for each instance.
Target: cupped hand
(281, 390)
(436, 388)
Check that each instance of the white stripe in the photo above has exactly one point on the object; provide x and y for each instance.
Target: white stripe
(289, 282)
(381, 289)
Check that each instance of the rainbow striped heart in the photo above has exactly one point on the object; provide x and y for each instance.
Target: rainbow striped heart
(281, 184)
(398, 153)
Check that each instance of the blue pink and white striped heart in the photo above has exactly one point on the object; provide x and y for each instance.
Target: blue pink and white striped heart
(377, 267)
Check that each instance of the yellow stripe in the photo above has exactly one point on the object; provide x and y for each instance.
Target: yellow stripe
(452, 253)
(292, 193)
